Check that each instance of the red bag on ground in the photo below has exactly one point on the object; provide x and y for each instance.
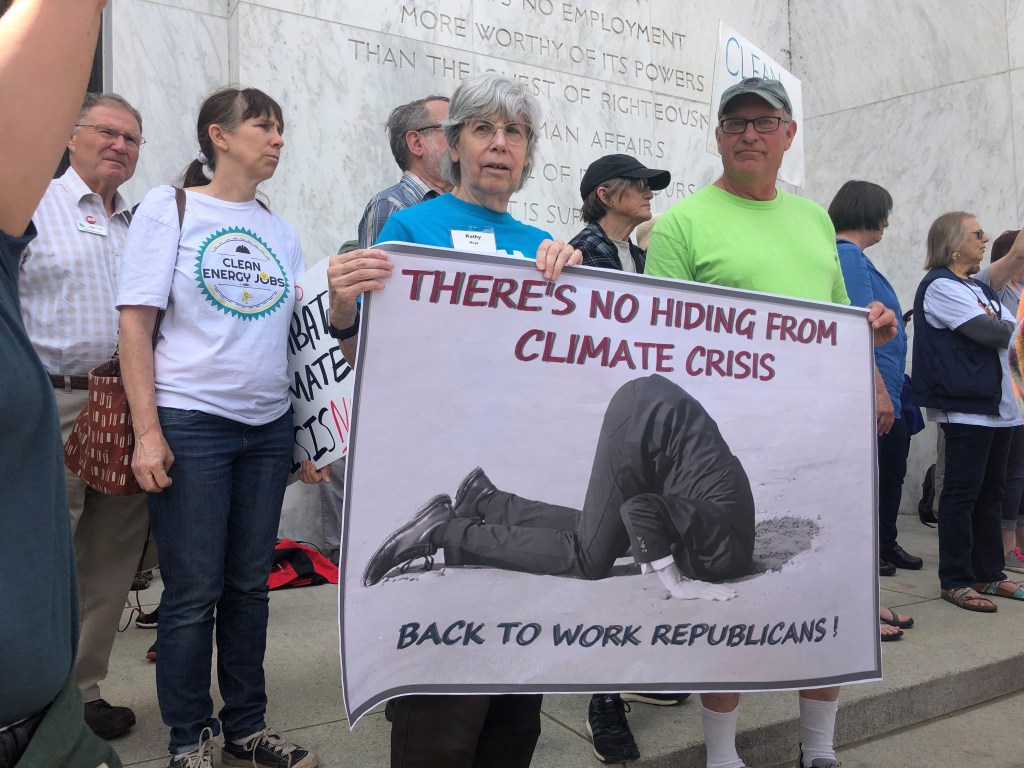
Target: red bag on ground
(298, 565)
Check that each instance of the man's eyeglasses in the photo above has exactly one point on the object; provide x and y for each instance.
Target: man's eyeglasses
(132, 140)
(485, 130)
(426, 128)
(978, 233)
(761, 124)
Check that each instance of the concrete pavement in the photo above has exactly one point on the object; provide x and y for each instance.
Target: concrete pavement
(950, 662)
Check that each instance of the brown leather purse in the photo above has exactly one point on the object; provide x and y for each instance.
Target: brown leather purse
(102, 440)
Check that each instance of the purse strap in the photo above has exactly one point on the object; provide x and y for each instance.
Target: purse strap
(179, 202)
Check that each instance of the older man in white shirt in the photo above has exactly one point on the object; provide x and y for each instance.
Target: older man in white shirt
(67, 284)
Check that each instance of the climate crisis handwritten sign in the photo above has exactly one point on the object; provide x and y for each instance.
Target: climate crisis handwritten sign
(319, 379)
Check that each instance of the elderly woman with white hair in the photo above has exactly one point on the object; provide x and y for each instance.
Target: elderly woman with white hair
(491, 144)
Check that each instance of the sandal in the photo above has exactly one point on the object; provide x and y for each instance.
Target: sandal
(894, 619)
(961, 598)
(889, 632)
(1004, 588)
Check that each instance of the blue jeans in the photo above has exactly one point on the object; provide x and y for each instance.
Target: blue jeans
(970, 542)
(216, 527)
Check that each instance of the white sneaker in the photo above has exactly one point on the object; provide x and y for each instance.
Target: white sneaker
(201, 757)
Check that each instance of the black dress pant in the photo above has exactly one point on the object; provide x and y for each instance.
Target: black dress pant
(465, 731)
(970, 508)
(655, 439)
(893, 449)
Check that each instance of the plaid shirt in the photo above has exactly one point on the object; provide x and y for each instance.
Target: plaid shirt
(68, 279)
(599, 250)
(410, 189)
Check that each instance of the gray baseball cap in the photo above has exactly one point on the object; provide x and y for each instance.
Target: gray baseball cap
(771, 91)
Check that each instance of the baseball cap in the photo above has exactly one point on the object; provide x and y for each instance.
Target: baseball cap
(621, 167)
(771, 91)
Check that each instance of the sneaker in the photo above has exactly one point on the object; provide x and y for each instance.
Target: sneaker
(657, 699)
(201, 757)
(151, 653)
(607, 726)
(267, 749)
(1014, 561)
(142, 579)
(818, 762)
(147, 620)
(106, 721)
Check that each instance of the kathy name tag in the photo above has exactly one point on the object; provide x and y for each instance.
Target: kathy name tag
(474, 240)
(92, 229)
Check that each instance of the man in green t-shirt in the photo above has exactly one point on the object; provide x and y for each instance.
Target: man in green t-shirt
(743, 232)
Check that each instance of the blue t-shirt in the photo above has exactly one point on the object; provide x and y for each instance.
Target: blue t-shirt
(38, 600)
(864, 284)
(433, 221)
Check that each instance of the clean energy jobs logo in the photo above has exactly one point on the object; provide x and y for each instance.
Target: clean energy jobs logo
(240, 275)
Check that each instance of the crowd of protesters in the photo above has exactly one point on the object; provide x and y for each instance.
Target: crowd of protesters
(82, 275)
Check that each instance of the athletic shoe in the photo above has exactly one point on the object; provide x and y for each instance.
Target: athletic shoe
(657, 699)
(818, 762)
(141, 581)
(202, 757)
(607, 726)
(1014, 561)
(267, 749)
(147, 620)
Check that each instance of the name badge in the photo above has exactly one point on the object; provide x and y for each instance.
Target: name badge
(474, 240)
(92, 229)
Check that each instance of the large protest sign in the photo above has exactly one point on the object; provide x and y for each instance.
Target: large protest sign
(737, 59)
(320, 381)
(473, 361)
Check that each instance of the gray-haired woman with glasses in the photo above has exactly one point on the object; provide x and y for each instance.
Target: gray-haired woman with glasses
(491, 146)
(617, 191)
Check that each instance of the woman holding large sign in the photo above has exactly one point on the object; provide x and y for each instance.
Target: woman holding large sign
(491, 144)
(961, 377)
(213, 422)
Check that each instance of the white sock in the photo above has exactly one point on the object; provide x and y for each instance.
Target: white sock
(720, 738)
(817, 729)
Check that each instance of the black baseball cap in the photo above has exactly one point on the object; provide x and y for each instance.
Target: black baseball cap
(621, 167)
(771, 91)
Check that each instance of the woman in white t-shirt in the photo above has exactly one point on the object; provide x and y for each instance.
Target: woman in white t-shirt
(212, 421)
(961, 377)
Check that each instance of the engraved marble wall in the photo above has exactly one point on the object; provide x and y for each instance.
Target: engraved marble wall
(925, 97)
(164, 57)
(630, 77)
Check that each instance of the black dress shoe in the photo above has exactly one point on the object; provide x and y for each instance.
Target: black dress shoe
(410, 541)
(886, 569)
(106, 721)
(899, 558)
(474, 488)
